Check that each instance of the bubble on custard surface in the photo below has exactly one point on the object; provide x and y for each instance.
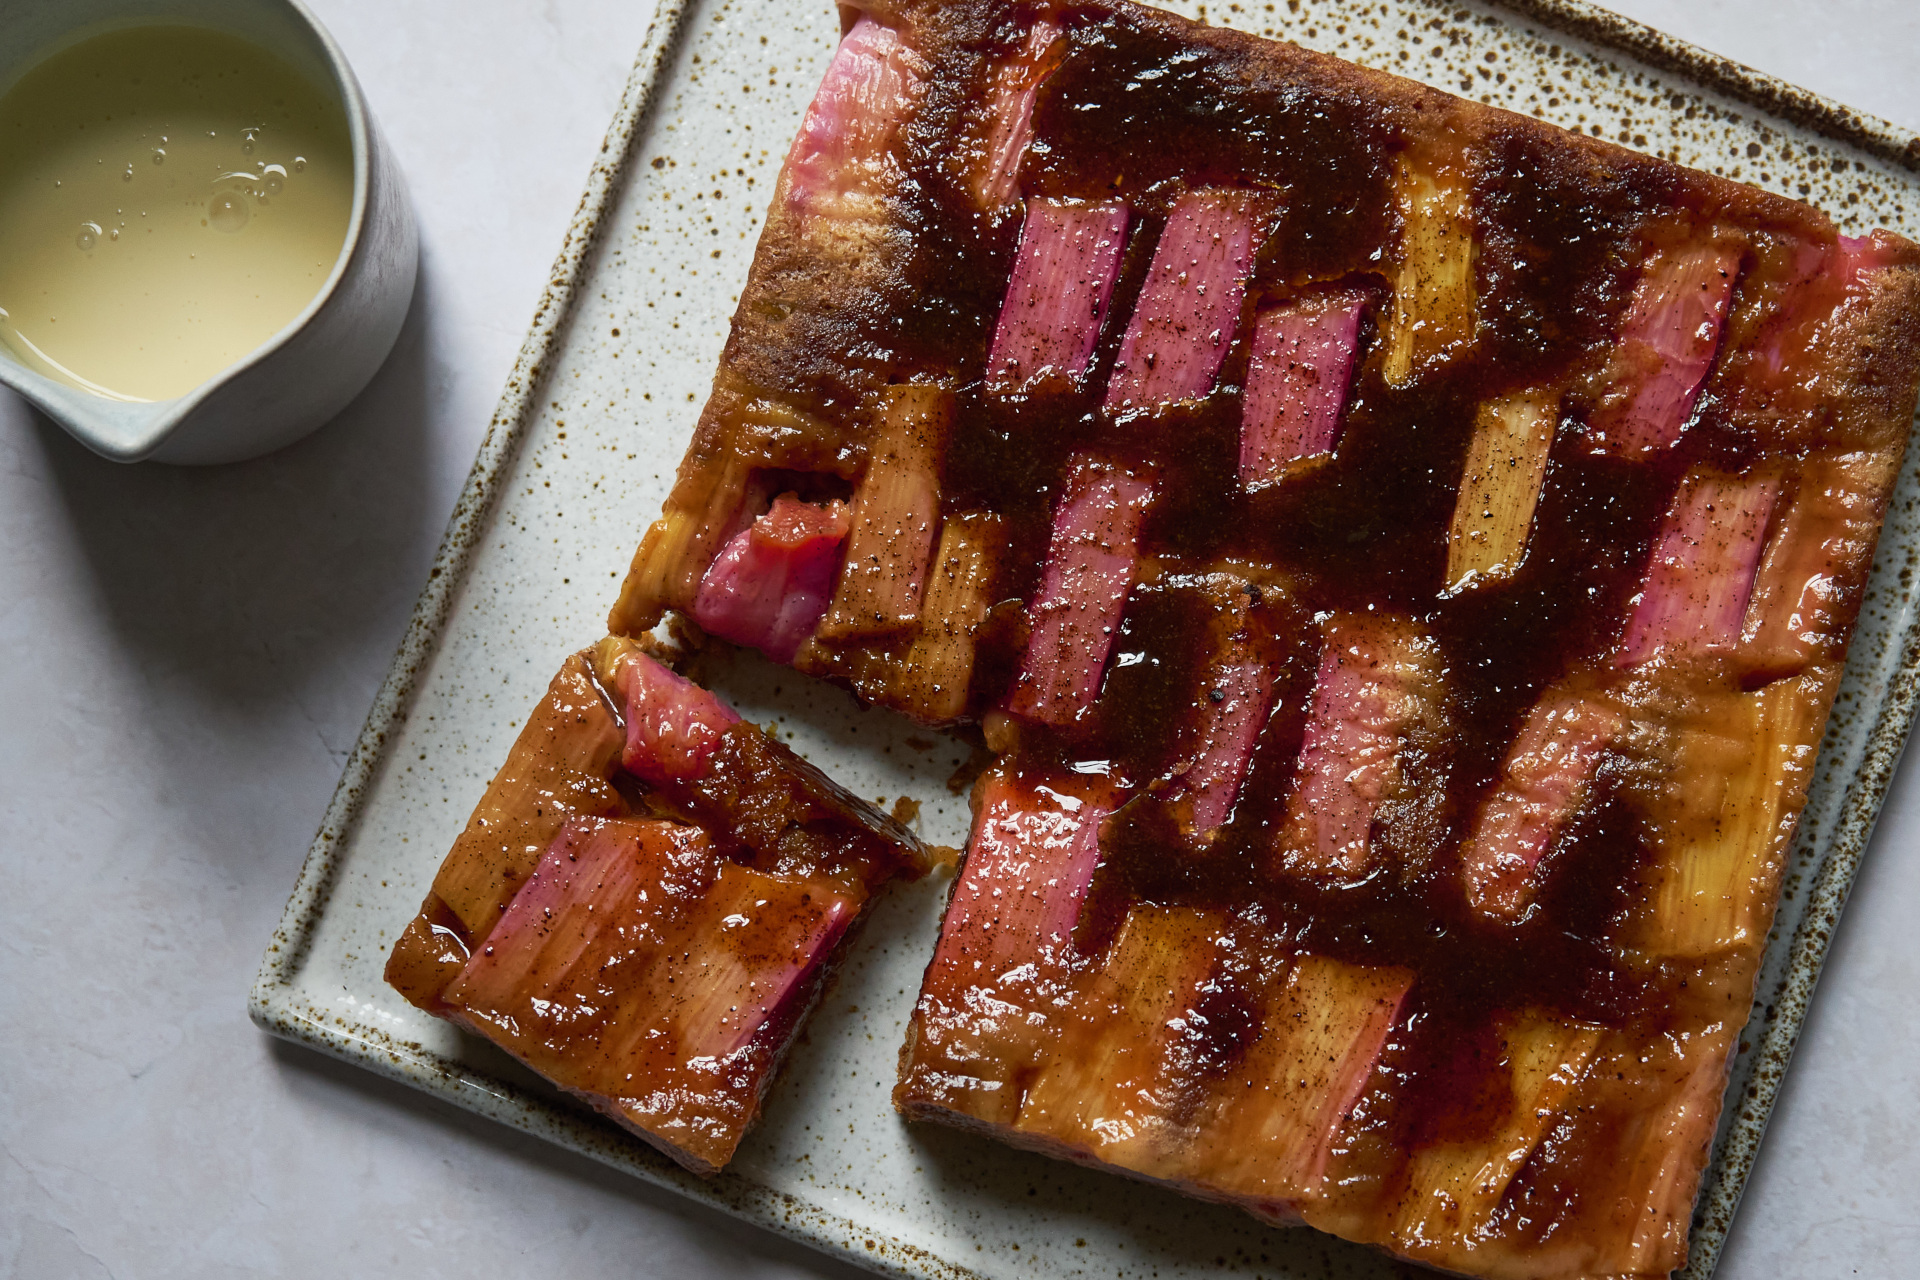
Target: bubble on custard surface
(227, 211)
(159, 155)
(273, 180)
(128, 175)
(299, 164)
(89, 235)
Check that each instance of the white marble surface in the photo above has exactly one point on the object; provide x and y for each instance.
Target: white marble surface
(188, 655)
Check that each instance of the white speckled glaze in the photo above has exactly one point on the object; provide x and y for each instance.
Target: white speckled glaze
(580, 454)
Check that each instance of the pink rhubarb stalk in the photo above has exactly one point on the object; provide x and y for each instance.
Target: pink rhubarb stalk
(548, 930)
(1057, 299)
(1546, 778)
(638, 969)
(1236, 698)
(1011, 111)
(1303, 356)
(1089, 571)
(1666, 347)
(1701, 575)
(742, 984)
(1189, 307)
(673, 724)
(769, 586)
(842, 149)
(1029, 866)
(1367, 695)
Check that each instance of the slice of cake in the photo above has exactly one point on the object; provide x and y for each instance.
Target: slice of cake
(1401, 555)
(647, 902)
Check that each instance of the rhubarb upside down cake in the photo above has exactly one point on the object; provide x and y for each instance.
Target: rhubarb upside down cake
(1400, 556)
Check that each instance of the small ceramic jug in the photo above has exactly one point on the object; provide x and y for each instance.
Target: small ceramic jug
(308, 371)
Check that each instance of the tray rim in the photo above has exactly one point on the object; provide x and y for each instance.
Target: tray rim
(275, 1008)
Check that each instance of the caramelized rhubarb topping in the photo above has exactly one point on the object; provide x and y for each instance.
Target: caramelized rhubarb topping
(1057, 299)
(1435, 309)
(896, 516)
(673, 724)
(1090, 567)
(639, 970)
(1006, 950)
(1111, 1086)
(769, 587)
(747, 433)
(1721, 819)
(560, 767)
(784, 816)
(1454, 1187)
(1667, 344)
(842, 158)
(939, 662)
(1029, 865)
(1544, 781)
(1010, 112)
(1269, 1126)
(1700, 577)
(1189, 308)
(1237, 696)
(1823, 539)
(1493, 512)
(1377, 682)
(1297, 382)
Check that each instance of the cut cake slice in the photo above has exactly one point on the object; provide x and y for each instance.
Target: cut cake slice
(648, 901)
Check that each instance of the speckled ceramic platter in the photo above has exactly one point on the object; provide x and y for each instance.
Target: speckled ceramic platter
(591, 426)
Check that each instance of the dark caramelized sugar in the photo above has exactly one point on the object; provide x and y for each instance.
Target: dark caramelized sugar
(780, 815)
(1560, 249)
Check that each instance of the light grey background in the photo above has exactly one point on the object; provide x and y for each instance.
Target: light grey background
(187, 656)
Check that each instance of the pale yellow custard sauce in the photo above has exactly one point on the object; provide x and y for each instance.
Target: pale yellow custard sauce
(170, 198)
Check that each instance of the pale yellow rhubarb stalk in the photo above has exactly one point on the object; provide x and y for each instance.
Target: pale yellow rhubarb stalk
(896, 512)
(1110, 1086)
(1435, 311)
(927, 673)
(1664, 1158)
(939, 663)
(1499, 488)
(1722, 820)
(1269, 1126)
(1454, 1187)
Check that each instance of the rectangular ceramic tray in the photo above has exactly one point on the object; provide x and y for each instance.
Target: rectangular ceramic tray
(579, 456)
